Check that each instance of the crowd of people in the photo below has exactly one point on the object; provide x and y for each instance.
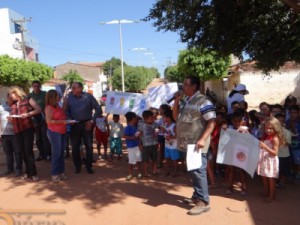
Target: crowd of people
(155, 142)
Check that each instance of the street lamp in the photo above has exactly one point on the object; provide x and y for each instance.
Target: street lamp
(121, 44)
(139, 50)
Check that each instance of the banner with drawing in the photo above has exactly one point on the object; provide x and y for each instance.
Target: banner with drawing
(123, 102)
(161, 94)
(238, 149)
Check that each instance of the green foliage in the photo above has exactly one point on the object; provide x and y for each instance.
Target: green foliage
(22, 73)
(72, 76)
(203, 63)
(135, 78)
(265, 31)
(172, 74)
(110, 65)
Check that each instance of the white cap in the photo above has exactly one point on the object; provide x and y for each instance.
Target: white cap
(241, 87)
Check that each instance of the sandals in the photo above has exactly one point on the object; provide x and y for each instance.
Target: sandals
(129, 177)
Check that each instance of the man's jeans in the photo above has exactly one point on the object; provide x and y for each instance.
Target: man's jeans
(12, 153)
(42, 142)
(58, 144)
(78, 134)
(200, 181)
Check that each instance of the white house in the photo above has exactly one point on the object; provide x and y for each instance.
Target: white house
(272, 88)
(15, 40)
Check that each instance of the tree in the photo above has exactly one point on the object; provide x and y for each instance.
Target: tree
(265, 31)
(72, 76)
(135, 79)
(21, 73)
(203, 63)
(110, 65)
(171, 74)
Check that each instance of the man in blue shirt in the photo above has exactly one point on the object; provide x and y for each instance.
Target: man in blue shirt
(80, 106)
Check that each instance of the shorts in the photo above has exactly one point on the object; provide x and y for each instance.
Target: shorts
(101, 137)
(134, 155)
(171, 153)
(115, 146)
(149, 152)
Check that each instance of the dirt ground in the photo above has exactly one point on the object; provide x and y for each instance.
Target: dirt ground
(106, 198)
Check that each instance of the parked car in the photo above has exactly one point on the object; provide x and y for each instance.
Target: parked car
(103, 100)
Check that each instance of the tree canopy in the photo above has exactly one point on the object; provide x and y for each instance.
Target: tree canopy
(203, 63)
(72, 76)
(110, 65)
(172, 75)
(265, 31)
(21, 73)
(135, 78)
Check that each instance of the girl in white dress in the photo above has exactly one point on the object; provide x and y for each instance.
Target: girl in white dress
(268, 164)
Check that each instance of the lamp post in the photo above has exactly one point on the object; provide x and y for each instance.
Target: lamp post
(139, 50)
(121, 44)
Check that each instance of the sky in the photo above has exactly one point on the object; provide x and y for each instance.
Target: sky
(69, 31)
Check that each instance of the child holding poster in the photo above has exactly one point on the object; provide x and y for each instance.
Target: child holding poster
(237, 124)
(268, 164)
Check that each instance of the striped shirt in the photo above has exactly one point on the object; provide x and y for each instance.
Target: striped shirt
(207, 109)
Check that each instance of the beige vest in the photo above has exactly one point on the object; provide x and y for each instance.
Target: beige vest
(190, 124)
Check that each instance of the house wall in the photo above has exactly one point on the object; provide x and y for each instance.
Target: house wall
(272, 89)
(87, 72)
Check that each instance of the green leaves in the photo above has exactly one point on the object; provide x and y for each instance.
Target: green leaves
(22, 73)
(72, 76)
(135, 78)
(203, 63)
(265, 31)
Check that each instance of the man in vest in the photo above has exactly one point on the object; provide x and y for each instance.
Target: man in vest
(195, 123)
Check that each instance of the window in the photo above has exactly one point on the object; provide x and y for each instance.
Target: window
(17, 28)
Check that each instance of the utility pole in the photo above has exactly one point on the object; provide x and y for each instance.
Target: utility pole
(21, 22)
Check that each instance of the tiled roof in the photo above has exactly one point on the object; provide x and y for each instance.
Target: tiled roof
(249, 66)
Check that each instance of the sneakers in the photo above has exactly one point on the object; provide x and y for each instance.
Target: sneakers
(25, 177)
(55, 178)
(139, 176)
(35, 178)
(190, 201)
(129, 177)
(199, 208)
(63, 176)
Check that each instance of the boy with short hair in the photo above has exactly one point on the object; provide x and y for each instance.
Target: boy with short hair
(131, 136)
(149, 142)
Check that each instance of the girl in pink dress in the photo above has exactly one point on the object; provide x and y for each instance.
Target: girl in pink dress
(268, 164)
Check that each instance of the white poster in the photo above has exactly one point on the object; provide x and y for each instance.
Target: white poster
(238, 149)
(161, 94)
(123, 102)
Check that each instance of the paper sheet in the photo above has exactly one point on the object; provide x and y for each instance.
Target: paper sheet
(193, 158)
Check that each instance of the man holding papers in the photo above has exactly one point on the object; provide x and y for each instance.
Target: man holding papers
(195, 123)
